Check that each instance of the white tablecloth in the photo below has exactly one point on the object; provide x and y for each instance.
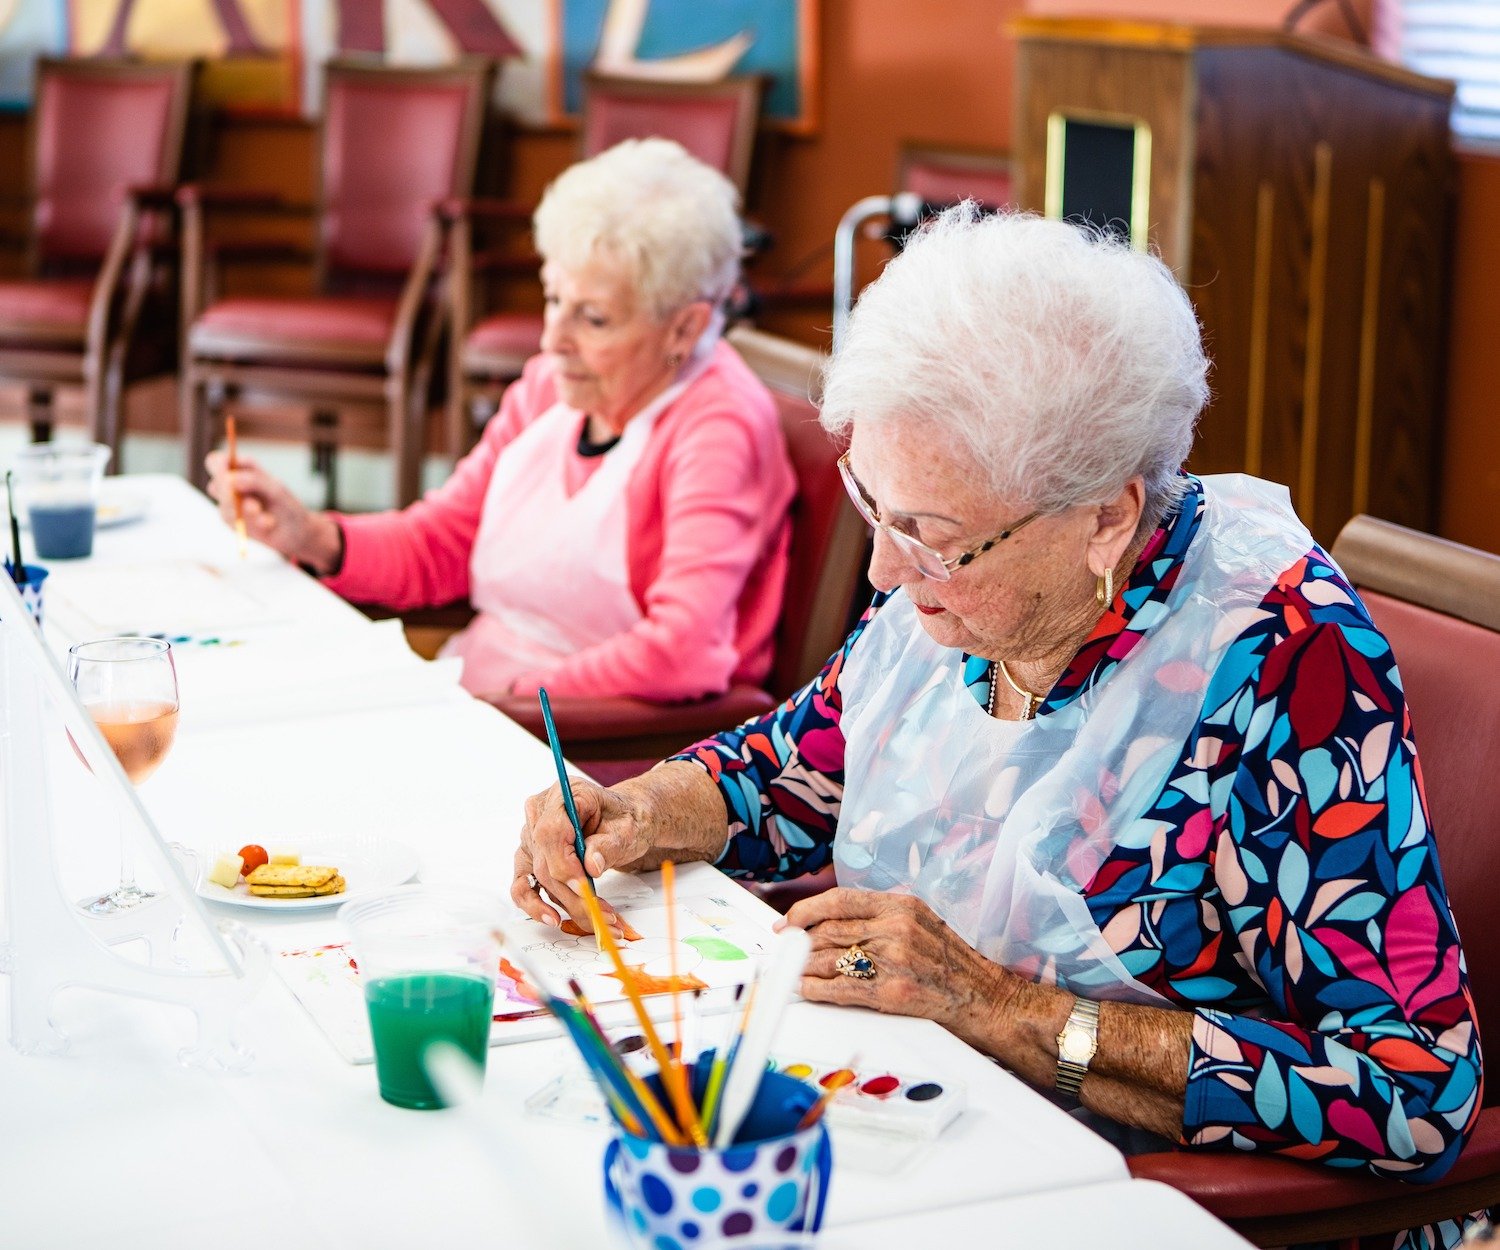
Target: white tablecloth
(114, 1144)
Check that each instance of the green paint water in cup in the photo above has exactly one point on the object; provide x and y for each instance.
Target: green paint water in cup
(407, 1013)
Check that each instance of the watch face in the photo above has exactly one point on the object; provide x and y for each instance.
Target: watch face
(1076, 1046)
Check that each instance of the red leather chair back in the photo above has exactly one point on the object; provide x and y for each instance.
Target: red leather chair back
(715, 121)
(100, 128)
(828, 539)
(1450, 669)
(946, 176)
(394, 141)
(1439, 605)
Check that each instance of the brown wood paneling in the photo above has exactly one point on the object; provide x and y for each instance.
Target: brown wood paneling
(1326, 338)
(1356, 321)
(1150, 85)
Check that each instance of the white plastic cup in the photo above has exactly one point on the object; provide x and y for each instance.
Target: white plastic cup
(58, 487)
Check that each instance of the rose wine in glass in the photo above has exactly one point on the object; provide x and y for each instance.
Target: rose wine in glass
(129, 688)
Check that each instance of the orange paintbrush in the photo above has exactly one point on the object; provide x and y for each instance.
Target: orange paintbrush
(234, 494)
(675, 1089)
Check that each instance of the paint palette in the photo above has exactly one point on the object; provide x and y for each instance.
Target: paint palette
(881, 1121)
(880, 1100)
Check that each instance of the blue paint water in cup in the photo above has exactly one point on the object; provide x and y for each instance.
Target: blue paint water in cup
(58, 486)
(772, 1181)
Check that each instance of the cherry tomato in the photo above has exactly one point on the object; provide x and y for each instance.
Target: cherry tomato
(254, 856)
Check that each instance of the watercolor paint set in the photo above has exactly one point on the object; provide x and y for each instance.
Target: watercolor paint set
(881, 1119)
(879, 1099)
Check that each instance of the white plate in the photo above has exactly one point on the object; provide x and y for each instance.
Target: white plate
(116, 507)
(119, 507)
(366, 863)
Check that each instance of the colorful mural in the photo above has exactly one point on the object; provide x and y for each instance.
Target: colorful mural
(267, 54)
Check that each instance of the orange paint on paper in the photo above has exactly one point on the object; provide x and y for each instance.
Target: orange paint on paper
(523, 987)
(644, 983)
(573, 928)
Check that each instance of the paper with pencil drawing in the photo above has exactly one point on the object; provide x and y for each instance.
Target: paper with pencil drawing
(718, 945)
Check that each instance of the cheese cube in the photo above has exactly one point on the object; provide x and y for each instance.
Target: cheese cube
(285, 859)
(226, 871)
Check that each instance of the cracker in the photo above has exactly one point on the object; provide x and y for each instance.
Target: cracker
(282, 891)
(336, 886)
(305, 876)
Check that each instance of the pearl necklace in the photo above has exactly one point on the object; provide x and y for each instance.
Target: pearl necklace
(1033, 701)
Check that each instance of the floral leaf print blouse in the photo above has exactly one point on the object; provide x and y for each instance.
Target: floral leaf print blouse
(1292, 898)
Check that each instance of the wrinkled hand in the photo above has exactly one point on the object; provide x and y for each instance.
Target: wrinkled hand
(273, 515)
(922, 967)
(615, 836)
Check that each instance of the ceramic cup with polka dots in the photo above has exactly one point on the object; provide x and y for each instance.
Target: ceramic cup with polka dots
(773, 1178)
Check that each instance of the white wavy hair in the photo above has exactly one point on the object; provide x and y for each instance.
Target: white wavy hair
(1057, 359)
(672, 221)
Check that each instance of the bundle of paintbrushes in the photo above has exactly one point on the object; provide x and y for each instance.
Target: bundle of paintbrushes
(698, 1097)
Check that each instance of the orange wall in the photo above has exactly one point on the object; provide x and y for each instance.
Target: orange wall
(890, 71)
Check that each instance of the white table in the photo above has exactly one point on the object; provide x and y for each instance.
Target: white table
(1124, 1215)
(113, 1143)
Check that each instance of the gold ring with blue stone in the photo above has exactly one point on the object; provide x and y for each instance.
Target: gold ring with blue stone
(855, 963)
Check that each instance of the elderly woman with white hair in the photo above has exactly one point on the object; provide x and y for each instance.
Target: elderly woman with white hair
(622, 526)
(1116, 773)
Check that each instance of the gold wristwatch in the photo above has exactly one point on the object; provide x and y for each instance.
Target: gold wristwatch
(1076, 1046)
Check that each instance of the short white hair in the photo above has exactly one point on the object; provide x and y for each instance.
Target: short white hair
(668, 218)
(1061, 361)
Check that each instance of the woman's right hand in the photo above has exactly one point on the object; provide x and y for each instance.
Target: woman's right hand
(616, 835)
(273, 515)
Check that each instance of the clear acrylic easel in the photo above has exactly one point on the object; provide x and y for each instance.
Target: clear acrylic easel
(51, 944)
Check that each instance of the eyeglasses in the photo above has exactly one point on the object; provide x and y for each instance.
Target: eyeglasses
(929, 562)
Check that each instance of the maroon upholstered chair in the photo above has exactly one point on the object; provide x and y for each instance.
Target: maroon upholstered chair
(621, 736)
(948, 175)
(98, 306)
(716, 122)
(1439, 604)
(353, 361)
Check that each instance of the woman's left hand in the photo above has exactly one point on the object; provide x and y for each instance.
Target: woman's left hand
(922, 967)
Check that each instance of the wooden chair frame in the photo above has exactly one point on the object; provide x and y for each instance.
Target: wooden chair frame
(342, 396)
(137, 251)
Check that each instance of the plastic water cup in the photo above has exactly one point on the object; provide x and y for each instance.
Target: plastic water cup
(427, 957)
(58, 485)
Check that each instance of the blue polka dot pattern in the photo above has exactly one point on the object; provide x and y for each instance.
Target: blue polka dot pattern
(782, 1202)
(670, 1198)
(740, 1159)
(656, 1194)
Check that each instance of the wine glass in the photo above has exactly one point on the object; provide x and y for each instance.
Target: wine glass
(129, 687)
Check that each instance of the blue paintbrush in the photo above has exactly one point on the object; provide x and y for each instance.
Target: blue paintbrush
(562, 778)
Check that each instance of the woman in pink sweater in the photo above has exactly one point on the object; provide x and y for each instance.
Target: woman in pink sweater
(622, 525)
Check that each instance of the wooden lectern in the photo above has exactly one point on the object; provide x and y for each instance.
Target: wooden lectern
(1300, 189)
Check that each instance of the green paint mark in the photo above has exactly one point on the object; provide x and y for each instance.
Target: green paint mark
(715, 948)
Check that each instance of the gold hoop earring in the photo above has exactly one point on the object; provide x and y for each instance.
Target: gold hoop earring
(1104, 588)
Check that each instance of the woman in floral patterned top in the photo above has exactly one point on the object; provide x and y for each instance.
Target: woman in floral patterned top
(1116, 772)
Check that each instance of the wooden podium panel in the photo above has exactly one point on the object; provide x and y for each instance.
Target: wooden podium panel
(1301, 191)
